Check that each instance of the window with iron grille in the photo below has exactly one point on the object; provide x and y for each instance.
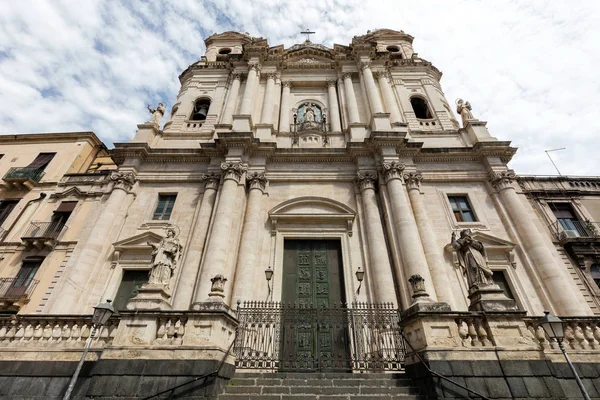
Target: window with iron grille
(461, 208)
(164, 206)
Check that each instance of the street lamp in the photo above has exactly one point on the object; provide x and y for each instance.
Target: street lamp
(553, 326)
(102, 313)
(269, 276)
(360, 275)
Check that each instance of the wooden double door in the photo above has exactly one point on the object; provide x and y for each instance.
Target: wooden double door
(314, 322)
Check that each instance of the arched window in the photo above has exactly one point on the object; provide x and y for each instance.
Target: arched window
(225, 51)
(595, 272)
(420, 108)
(201, 107)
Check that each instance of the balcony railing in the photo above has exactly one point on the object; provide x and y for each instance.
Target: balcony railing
(575, 229)
(15, 289)
(309, 126)
(43, 231)
(24, 174)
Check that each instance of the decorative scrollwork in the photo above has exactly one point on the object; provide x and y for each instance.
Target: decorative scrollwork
(366, 180)
(233, 171)
(503, 179)
(257, 180)
(123, 179)
(392, 170)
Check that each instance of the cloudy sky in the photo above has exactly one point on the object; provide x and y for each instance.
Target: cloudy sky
(529, 68)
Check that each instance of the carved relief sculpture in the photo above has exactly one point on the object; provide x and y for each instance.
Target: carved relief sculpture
(164, 259)
(472, 259)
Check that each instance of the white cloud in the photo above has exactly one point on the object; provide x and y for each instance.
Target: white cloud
(528, 68)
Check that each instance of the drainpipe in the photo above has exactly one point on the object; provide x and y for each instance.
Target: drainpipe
(5, 235)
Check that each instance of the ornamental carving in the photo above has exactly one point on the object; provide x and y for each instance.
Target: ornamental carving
(257, 180)
(218, 286)
(233, 171)
(503, 179)
(366, 180)
(331, 82)
(272, 75)
(392, 170)
(211, 181)
(254, 67)
(413, 180)
(123, 179)
(287, 84)
(365, 65)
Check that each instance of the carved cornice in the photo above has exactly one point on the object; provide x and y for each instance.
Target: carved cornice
(123, 179)
(413, 180)
(211, 181)
(392, 170)
(257, 180)
(502, 179)
(366, 180)
(233, 171)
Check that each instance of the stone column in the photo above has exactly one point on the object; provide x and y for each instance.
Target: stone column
(284, 110)
(191, 267)
(215, 261)
(250, 244)
(353, 115)
(433, 252)
(251, 83)
(555, 278)
(388, 97)
(82, 268)
(267, 110)
(234, 92)
(411, 249)
(334, 109)
(380, 269)
(372, 93)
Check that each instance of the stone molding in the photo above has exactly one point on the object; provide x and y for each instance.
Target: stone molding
(366, 180)
(257, 180)
(503, 179)
(413, 180)
(123, 180)
(211, 181)
(392, 170)
(233, 171)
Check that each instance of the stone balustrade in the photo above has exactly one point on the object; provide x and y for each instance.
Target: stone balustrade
(473, 332)
(581, 333)
(170, 330)
(53, 331)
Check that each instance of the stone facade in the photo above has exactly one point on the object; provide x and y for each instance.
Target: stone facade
(264, 145)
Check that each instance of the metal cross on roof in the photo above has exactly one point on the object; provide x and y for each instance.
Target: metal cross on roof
(307, 33)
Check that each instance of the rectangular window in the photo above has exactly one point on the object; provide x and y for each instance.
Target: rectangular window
(41, 161)
(565, 215)
(19, 286)
(461, 208)
(500, 280)
(6, 207)
(164, 206)
(130, 285)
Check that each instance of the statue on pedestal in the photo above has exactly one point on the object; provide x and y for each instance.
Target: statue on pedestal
(157, 113)
(164, 259)
(472, 259)
(464, 109)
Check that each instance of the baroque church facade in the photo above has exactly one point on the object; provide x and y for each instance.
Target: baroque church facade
(292, 186)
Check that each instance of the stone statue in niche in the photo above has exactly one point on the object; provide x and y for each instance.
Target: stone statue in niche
(472, 259)
(310, 117)
(464, 109)
(157, 113)
(164, 258)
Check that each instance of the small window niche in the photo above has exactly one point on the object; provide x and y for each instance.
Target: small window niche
(200, 112)
(420, 108)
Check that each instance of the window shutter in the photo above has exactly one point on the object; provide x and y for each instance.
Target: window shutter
(41, 161)
(66, 206)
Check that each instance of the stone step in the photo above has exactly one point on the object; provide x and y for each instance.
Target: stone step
(322, 382)
(319, 375)
(230, 389)
(318, 397)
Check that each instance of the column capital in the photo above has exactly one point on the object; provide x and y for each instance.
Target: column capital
(365, 65)
(211, 181)
(254, 67)
(413, 180)
(236, 75)
(123, 179)
(233, 171)
(272, 75)
(366, 180)
(332, 82)
(347, 75)
(392, 170)
(502, 179)
(257, 180)
(286, 84)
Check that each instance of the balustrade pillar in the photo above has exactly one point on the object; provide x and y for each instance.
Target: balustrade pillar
(248, 97)
(267, 111)
(334, 109)
(234, 92)
(433, 252)
(388, 97)
(191, 266)
(353, 115)
(558, 284)
(250, 244)
(284, 110)
(215, 261)
(411, 248)
(379, 268)
(372, 93)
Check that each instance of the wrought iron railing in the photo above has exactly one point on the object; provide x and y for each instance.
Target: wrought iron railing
(35, 174)
(309, 126)
(359, 336)
(14, 289)
(575, 229)
(44, 230)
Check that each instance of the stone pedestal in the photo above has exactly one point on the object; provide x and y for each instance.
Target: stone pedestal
(264, 131)
(358, 132)
(478, 132)
(381, 122)
(242, 123)
(421, 300)
(146, 133)
(490, 298)
(151, 297)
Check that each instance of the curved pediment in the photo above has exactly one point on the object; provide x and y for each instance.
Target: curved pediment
(312, 210)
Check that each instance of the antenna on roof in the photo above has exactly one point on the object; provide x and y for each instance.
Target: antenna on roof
(552, 161)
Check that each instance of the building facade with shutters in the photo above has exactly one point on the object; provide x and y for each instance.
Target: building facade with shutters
(297, 206)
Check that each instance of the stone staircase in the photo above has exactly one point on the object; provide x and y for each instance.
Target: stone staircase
(318, 386)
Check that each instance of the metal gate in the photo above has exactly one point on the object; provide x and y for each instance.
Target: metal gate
(292, 337)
